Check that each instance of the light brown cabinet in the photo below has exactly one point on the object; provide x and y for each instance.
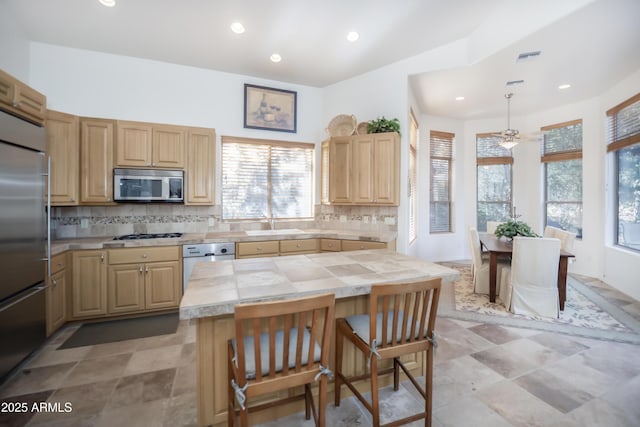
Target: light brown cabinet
(299, 246)
(89, 285)
(56, 294)
(21, 100)
(96, 160)
(268, 248)
(140, 144)
(201, 159)
(330, 245)
(63, 149)
(359, 245)
(141, 279)
(363, 170)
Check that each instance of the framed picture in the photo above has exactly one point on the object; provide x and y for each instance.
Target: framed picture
(270, 109)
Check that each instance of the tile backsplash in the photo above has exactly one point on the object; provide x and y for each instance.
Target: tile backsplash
(100, 221)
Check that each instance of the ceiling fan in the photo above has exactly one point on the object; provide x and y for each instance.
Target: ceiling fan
(511, 137)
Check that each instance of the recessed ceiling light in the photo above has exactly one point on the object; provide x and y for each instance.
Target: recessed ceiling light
(275, 58)
(108, 3)
(353, 36)
(459, 98)
(237, 28)
(564, 86)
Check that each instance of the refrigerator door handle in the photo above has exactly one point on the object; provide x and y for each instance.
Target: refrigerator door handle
(29, 295)
(48, 212)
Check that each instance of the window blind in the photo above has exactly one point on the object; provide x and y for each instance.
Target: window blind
(562, 141)
(623, 122)
(266, 179)
(441, 155)
(493, 180)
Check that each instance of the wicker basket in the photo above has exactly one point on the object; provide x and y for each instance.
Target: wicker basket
(342, 125)
(362, 128)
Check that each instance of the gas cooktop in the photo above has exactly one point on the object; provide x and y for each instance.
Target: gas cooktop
(148, 236)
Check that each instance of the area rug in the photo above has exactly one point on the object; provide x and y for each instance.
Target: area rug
(120, 330)
(587, 313)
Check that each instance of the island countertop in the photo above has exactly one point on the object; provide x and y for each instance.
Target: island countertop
(216, 287)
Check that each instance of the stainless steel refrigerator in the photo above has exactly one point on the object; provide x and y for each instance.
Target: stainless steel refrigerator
(23, 240)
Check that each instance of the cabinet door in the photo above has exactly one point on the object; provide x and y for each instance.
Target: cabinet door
(363, 171)
(30, 102)
(163, 285)
(7, 87)
(125, 285)
(168, 147)
(63, 148)
(89, 286)
(386, 170)
(133, 146)
(56, 297)
(96, 160)
(357, 245)
(201, 161)
(324, 173)
(340, 170)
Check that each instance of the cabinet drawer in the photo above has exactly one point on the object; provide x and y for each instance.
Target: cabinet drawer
(150, 254)
(58, 263)
(330, 245)
(299, 245)
(357, 245)
(257, 248)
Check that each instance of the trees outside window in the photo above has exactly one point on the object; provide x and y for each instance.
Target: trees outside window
(494, 197)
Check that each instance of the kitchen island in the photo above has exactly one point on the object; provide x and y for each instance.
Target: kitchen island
(215, 288)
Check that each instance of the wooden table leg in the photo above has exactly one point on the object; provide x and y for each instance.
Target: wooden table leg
(493, 273)
(562, 280)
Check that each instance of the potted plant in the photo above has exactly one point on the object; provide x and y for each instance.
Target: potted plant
(513, 228)
(381, 124)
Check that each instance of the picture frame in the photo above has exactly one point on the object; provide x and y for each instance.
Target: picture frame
(268, 108)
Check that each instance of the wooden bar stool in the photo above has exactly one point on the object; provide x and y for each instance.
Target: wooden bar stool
(401, 320)
(277, 346)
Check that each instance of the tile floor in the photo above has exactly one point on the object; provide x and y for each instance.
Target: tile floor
(485, 375)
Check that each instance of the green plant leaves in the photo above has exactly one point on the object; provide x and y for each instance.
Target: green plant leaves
(513, 228)
(381, 124)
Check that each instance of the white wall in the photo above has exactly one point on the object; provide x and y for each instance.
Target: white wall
(14, 46)
(95, 84)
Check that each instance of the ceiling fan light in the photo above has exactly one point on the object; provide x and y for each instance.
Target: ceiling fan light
(508, 144)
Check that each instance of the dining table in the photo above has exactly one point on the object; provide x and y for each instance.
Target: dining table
(504, 248)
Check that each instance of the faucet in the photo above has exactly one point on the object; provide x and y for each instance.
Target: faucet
(272, 223)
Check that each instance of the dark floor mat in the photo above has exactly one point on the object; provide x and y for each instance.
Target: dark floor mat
(120, 330)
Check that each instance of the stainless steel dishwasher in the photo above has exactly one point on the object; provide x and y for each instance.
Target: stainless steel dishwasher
(204, 252)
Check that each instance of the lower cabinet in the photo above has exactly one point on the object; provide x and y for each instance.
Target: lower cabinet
(126, 281)
(359, 245)
(56, 294)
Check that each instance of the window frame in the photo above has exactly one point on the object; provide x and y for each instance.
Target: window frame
(615, 144)
(449, 202)
(270, 196)
(492, 161)
(414, 130)
(557, 157)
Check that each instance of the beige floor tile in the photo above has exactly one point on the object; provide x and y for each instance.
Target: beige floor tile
(154, 359)
(626, 397)
(98, 369)
(140, 415)
(185, 380)
(599, 413)
(33, 380)
(182, 411)
(553, 390)
(142, 388)
(160, 341)
(575, 371)
(495, 333)
(119, 347)
(51, 356)
(466, 411)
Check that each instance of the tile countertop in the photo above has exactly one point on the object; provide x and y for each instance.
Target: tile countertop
(59, 246)
(216, 287)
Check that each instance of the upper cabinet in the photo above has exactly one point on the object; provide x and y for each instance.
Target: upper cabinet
(63, 149)
(363, 169)
(21, 100)
(150, 145)
(96, 160)
(201, 159)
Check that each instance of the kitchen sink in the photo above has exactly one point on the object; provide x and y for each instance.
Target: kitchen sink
(273, 232)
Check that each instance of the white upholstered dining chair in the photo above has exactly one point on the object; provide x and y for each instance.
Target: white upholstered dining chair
(566, 238)
(492, 225)
(530, 285)
(480, 265)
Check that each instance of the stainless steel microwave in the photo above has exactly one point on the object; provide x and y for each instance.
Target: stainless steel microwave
(148, 185)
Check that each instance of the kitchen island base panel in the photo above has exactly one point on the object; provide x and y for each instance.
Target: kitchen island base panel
(212, 334)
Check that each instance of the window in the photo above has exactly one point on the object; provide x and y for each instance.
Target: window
(562, 160)
(624, 143)
(413, 176)
(269, 179)
(494, 202)
(441, 154)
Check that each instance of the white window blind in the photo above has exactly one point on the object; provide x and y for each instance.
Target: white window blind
(562, 159)
(624, 142)
(441, 158)
(494, 162)
(270, 179)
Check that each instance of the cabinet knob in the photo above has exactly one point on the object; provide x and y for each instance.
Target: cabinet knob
(55, 282)
(102, 258)
(298, 245)
(146, 270)
(140, 269)
(144, 255)
(258, 248)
